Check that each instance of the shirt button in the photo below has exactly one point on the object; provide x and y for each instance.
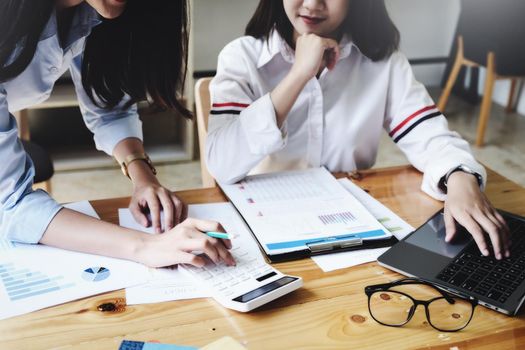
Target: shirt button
(53, 70)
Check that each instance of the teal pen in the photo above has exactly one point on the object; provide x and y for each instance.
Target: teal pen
(220, 235)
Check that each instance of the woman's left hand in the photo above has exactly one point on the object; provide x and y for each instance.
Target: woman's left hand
(468, 206)
(152, 197)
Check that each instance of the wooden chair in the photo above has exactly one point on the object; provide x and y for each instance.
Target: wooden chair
(202, 108)
(491, 77)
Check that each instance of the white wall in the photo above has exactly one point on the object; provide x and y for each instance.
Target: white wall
(215, 23)
(427, 29)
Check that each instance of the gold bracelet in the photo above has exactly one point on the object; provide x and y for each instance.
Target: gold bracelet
(133, 157)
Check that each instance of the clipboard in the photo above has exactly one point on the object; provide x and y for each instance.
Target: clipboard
(296, 247)
(319, 247)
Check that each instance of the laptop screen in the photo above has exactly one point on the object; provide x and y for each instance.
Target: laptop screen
(432, 237)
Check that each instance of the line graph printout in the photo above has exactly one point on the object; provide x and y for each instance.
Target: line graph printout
(289, 210)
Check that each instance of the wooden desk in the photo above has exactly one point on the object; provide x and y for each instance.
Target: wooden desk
(329, 312)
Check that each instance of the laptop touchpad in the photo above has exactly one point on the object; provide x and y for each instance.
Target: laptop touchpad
(431, 237)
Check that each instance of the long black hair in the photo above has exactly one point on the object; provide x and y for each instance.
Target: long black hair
(142, 53)
(21, 22)
(367, 23)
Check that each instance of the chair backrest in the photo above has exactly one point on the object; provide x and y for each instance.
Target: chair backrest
(202, 109)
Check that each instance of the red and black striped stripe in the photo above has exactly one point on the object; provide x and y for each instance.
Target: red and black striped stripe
(228, 108)
(409, 123)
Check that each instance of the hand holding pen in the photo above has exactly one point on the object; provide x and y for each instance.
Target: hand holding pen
(177, 246)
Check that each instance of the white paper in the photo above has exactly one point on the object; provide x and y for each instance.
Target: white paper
(33, 277)
(83, 207)
(165, 285)
(397, 226)
(336, 261)
(170, 284)
(288, 210)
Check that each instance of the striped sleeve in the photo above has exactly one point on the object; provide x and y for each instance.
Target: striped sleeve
(242, 126)
(408, 124)
(421, 131)
(228, 108)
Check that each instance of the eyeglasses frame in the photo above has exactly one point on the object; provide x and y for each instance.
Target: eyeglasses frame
(448, 296)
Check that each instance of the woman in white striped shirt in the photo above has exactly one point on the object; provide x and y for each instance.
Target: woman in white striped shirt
(314, 83)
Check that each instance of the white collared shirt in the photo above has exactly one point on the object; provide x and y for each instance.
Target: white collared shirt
(336, 121)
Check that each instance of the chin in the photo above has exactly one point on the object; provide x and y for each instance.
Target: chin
(111, 14)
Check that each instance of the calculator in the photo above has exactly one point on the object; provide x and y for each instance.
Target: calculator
(246, 286)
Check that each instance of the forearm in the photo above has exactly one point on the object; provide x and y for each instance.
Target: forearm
(74, 231)
(286, 93)
(139, 171)
(228, 155)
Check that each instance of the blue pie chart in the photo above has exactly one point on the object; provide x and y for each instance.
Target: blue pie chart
(95, 274)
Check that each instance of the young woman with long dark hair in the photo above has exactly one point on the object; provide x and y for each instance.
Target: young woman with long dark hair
(314, 83)
(119, 53)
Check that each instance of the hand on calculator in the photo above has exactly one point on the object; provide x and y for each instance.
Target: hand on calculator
(180, 244)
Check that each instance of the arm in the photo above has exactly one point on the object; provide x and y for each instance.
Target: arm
(29, 216)
(312, 54)
(74, 231)
(25, 214)
(118, 132)
(422, 133)
(238, 140)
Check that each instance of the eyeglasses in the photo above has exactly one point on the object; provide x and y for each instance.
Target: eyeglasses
(394, 308)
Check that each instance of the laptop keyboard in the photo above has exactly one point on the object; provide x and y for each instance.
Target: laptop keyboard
(486, 276)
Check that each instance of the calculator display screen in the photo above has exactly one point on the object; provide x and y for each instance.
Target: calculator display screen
(265, 289)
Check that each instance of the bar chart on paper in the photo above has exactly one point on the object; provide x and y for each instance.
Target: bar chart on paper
(22, 283)
(337, 218)
(36, 276)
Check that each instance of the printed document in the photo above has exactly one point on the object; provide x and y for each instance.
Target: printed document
(170, 284)
(290, 211)
(34, 276)
(392, 222)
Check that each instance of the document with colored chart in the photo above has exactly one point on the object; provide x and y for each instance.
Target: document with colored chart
(34, 276)
(296, 210)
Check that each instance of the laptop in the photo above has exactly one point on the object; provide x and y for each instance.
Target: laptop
(459, 266)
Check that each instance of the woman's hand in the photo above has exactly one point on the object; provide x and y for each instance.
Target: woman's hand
(151, 197)
(312, 53)
(468, 206)
(178, 246)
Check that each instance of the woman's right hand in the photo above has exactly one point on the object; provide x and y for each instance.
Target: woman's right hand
(178, 245)
(312, 53)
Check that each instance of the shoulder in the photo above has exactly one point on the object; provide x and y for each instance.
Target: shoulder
(398, 60)
(396, 67)
(245, 48)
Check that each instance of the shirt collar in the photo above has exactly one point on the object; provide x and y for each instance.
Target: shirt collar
(277, 45)
(84, 19)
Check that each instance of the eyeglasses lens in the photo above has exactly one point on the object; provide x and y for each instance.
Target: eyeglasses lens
(447, 316)
(390, 307)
